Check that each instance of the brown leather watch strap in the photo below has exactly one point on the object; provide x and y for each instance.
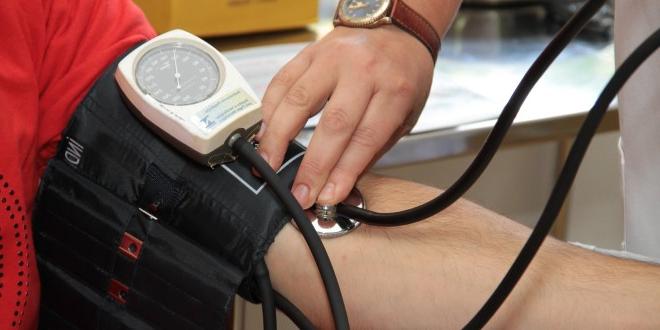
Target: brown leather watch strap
(408, 19)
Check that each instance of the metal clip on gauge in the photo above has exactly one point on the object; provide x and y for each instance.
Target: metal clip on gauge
(189, 94)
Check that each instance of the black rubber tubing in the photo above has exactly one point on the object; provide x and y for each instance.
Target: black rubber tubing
(495, 138)
(267, 297)
(246, 149)
(565, 180)
(290, 310)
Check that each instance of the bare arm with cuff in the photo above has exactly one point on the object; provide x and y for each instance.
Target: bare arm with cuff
(437, 273)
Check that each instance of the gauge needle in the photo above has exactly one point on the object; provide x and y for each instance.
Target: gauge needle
(177, 75)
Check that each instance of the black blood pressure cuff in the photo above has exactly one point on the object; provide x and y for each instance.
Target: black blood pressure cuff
(131, 234)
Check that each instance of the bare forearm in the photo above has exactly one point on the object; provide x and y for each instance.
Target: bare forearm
(438, 273)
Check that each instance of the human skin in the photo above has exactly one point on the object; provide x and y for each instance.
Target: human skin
(437, 273)
(375, 83)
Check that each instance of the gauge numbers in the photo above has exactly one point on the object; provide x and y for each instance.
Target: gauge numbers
(178, 74)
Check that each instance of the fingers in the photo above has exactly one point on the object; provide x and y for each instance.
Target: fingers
(339, 120)
(382, 119)
(280, 84)
(301, 101)
(373, 88)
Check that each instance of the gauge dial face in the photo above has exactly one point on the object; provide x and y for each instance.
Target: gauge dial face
(363, 11)
(178, 74)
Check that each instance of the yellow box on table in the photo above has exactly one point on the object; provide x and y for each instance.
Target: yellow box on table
(228, 17)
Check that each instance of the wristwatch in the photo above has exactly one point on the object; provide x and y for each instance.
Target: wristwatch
(374, 13)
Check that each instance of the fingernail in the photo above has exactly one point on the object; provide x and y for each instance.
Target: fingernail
(328, 193)
(262, 130)
(301, 192)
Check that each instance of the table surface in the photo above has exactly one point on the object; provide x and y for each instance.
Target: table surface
(483, 57)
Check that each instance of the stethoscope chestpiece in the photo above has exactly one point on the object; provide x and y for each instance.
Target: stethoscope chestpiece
(329, 224)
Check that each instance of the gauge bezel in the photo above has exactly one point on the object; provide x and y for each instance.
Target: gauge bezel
(179, 121)
(174, 41)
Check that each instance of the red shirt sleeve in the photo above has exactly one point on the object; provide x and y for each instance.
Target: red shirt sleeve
(52, 52)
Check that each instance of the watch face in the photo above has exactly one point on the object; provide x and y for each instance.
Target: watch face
(178, 74)
(363, 11)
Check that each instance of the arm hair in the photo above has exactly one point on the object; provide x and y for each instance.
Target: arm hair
(437, 273)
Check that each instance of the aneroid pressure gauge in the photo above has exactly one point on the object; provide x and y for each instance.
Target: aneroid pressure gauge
(190, 95)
